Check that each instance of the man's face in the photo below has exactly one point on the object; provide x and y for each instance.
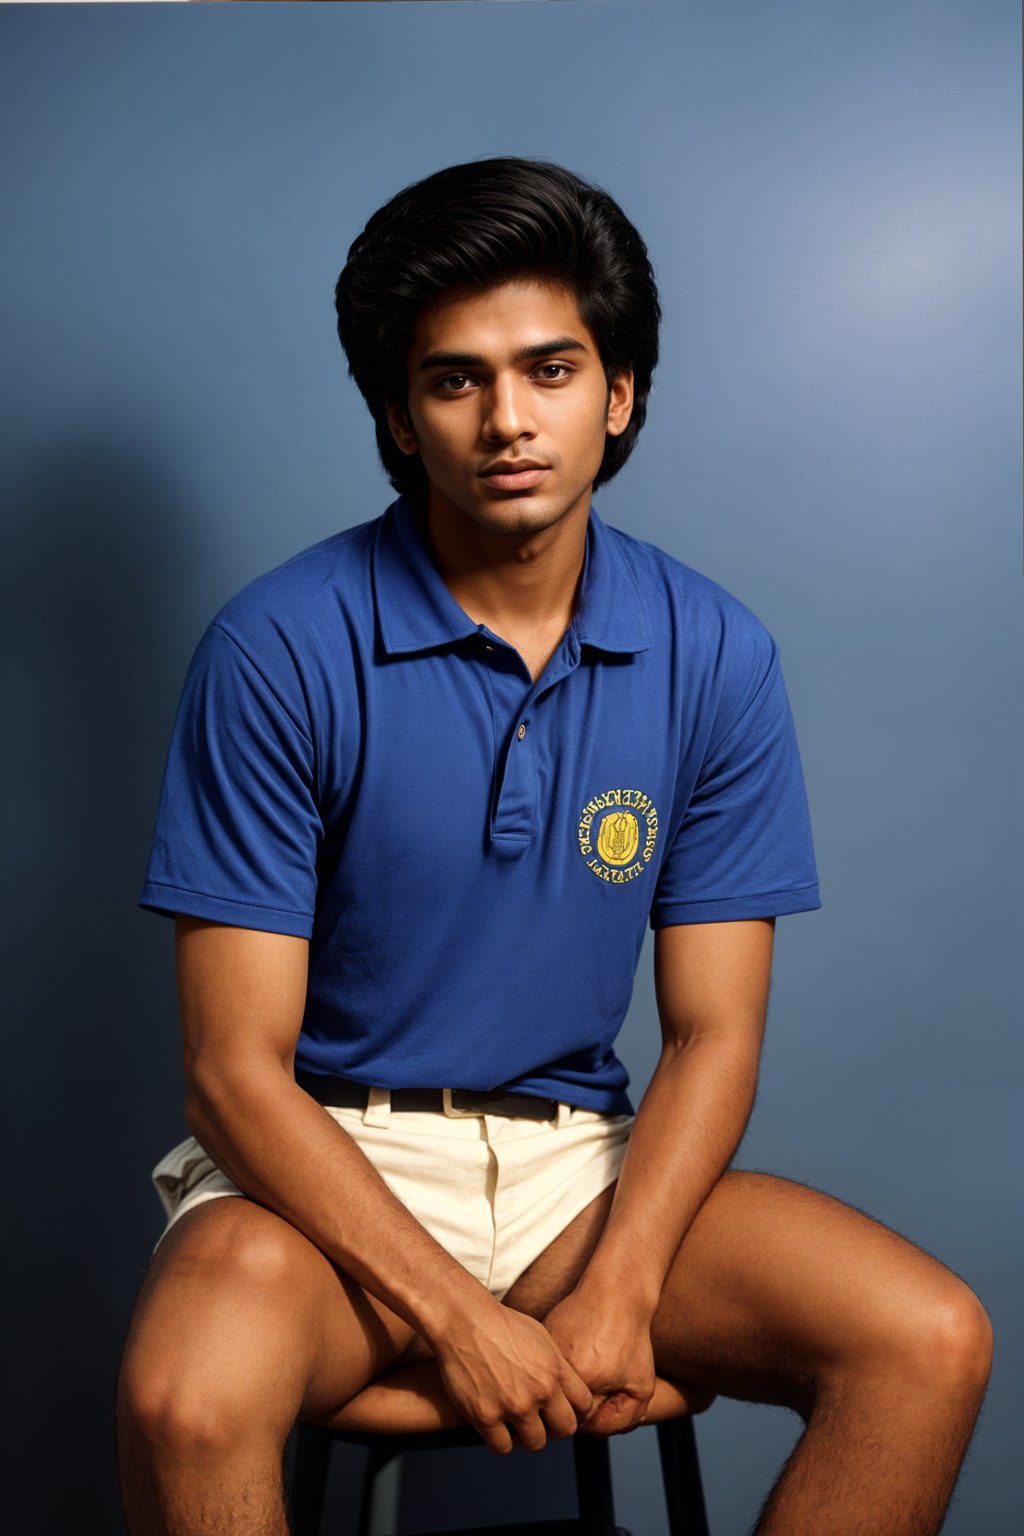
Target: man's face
(508, 406)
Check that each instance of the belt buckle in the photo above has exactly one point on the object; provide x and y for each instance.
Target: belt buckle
(452, 1111)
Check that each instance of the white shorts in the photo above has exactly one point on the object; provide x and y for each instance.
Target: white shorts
(494, 1190)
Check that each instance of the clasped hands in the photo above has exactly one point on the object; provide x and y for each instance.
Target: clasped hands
(518, 1380)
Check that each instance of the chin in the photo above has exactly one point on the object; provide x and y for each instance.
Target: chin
(521, 514)
(519, 519)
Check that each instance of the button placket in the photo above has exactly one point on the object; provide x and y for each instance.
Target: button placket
(516, 804)
(511, 819)
(516, 807)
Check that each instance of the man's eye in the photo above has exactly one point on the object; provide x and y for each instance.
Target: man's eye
(554, 371)
(453, 383)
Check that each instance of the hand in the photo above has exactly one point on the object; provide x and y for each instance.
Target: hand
(504, 1372)
(611, 1350)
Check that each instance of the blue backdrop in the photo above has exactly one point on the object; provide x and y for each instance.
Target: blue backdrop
(829, 193)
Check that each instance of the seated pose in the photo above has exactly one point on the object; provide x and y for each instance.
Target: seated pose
(429, 782)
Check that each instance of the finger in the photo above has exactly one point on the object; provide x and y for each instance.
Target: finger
(577, 1391)
(560, 1417)
(530, 1432)
(496, 1437)
(597, 1403)
(617, 1414)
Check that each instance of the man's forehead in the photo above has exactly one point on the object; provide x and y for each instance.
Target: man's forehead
(506, 318)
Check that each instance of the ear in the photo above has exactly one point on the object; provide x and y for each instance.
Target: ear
(620, 404)
(401, 429)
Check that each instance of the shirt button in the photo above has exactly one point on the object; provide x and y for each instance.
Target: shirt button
(488, 646)
(521, 731)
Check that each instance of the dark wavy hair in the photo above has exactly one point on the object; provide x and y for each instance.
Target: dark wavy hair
(481, 224)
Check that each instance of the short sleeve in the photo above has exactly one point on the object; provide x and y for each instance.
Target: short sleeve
(238, 830)
(742, 848)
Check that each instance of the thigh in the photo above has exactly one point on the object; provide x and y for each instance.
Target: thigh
(552, 1275)
(777, 1287)
(555, 1272)
(774, 1286)
(241, 1311)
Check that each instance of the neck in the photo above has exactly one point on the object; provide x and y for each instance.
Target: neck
(512, 582)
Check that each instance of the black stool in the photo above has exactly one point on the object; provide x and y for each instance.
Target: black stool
(677, 1447)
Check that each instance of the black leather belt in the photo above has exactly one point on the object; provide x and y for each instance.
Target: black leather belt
(343, 1093)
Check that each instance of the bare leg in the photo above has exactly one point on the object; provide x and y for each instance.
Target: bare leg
(782, 1295)
(790, 1297)
(242, 1327)
(778, 1295)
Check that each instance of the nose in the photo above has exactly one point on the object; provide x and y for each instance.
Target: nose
(509, 410)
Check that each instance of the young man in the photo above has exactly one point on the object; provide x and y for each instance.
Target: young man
(429, 783)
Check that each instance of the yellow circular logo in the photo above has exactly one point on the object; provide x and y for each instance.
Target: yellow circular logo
(617, 834)
(618, 838)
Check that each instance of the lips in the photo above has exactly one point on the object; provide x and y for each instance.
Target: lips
(514, 474)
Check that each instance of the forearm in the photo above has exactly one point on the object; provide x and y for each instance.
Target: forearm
(688, 1126)
(242, 994)
(282, 1149)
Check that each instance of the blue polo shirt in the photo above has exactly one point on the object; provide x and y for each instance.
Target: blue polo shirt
(475, 856)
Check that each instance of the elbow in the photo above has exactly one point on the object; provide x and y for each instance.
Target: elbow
(221, 1095)
(199, 1115)
(723, 1039)
(729, 1056)
(209, 1095)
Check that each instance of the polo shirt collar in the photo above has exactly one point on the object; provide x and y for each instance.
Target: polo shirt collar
(418, 613)
(610, 614)
(415, 608)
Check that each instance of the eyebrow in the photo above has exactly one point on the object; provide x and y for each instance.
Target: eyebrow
(525, 354)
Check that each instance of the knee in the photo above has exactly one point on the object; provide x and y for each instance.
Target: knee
(215, 1357)
(963, 1338)
(172, 1418)
(187, 1412)
(946, 1336)
(242, 1250)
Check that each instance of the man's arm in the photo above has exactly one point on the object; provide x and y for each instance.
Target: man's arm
(712, 984)
(242, 995)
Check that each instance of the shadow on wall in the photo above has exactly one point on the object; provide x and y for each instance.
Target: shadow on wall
(109, 589)
(101, 553)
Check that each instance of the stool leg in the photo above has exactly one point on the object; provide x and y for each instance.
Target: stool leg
(594, 1485)
(379, 1457)
(680, 1470)
(309, 1479)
